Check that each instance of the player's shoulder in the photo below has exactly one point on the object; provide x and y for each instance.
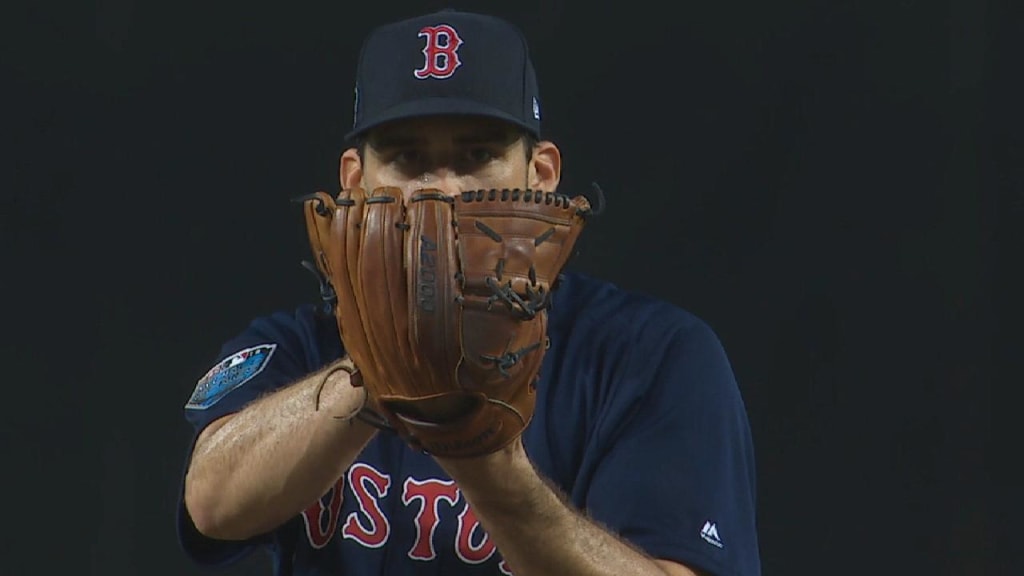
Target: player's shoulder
(297, 317)
(283, 322)
(583, 302)
(303, 330)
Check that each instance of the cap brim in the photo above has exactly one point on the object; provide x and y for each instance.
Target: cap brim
(437, 107)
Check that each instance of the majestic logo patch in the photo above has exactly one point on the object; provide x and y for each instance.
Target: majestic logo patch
(229, 374)
(441, 52)
(710, 534)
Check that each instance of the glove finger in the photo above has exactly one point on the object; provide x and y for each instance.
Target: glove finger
(345, 238)
(434, 296)
(381, 292)
(318, 211)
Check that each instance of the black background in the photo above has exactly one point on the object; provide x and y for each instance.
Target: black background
(830, 185)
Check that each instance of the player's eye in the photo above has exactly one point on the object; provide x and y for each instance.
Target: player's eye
(406, 157)
(480, 155)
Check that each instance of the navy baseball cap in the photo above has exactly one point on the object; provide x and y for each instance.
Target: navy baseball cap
(447, 62)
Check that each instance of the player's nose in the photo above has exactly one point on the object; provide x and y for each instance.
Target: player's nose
(443, 179)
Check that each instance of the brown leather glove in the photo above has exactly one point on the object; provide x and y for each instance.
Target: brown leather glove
(442, 304)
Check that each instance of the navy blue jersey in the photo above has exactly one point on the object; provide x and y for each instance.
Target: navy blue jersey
(638, 420)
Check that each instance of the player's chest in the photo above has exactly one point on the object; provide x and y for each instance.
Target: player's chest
(395, 512)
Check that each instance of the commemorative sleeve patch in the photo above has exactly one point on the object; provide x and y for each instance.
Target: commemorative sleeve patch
(229, 374)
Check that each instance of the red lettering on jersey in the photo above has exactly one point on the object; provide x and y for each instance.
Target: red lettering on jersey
(322, 521)
(473, 553)
(441, 52)
(503, 566)
(429, 492)
(369, 486)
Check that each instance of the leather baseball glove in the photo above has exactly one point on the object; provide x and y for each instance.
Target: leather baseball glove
(442, 303)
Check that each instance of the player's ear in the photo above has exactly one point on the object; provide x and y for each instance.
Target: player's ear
(545, 166)
(350, 169)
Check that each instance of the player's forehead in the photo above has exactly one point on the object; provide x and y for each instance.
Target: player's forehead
(444, 129)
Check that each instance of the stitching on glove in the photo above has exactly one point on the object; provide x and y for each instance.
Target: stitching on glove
(509, 359)
(327, 293)
(371, 417)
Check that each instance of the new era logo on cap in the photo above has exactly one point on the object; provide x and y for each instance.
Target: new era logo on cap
(448, 62)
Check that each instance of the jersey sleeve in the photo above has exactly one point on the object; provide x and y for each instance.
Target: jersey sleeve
(676, 474)
(270, 353)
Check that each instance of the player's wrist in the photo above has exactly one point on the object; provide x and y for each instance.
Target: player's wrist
(336, 391)
(502, 481)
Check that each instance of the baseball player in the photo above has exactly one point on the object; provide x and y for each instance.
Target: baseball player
(461, 402)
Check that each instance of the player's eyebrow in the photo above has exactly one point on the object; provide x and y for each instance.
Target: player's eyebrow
(495, 136)
(395, 141)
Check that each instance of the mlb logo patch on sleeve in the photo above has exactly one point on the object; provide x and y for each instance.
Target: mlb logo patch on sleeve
(229, 374)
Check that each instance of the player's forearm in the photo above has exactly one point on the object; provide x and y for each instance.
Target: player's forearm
(537, 532)
(271, 460)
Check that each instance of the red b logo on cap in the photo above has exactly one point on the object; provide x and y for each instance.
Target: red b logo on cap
(441, 52)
